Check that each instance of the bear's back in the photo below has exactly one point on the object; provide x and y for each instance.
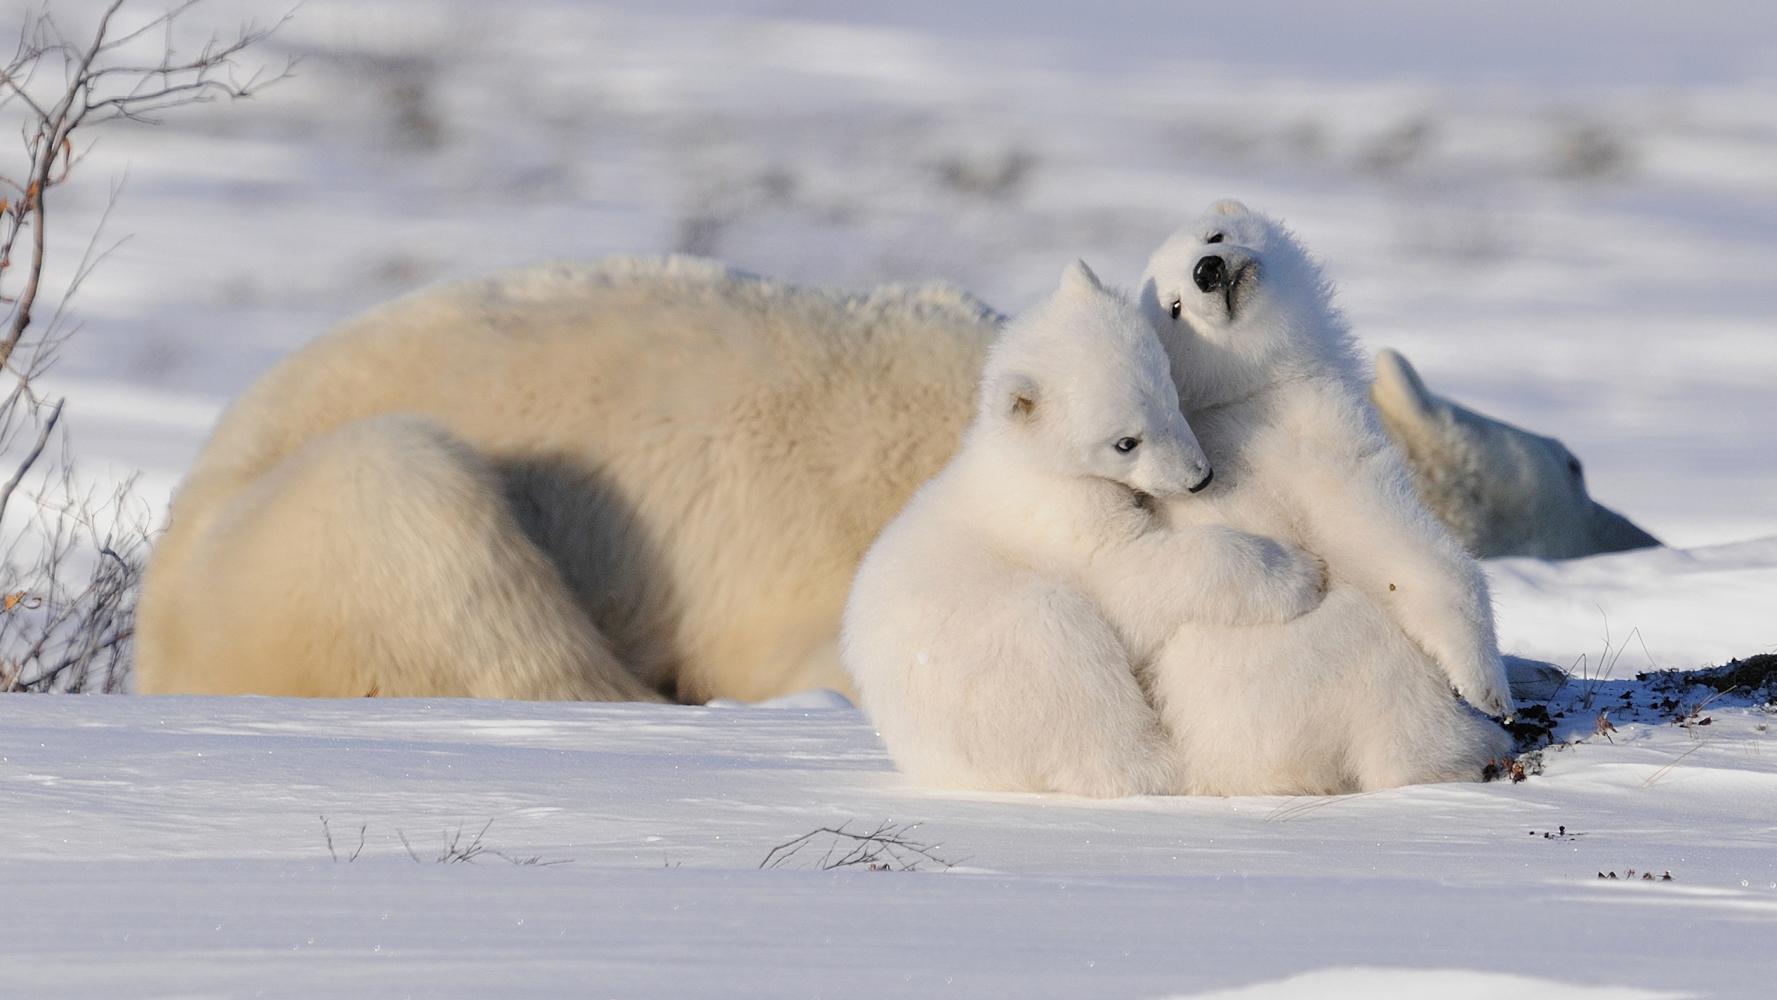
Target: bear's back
(651, 419)
(587, 358)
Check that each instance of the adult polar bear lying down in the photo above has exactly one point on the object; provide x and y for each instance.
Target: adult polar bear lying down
(638, 479)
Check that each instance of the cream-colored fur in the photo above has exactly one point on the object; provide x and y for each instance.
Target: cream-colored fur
(638, 479)
(1357, 694)
(1502, 490)
(996, 627)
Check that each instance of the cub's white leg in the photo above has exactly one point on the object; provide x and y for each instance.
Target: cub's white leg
(1030, 690)
(1369, 527)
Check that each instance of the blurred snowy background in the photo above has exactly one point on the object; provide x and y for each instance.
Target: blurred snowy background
(1566, 215)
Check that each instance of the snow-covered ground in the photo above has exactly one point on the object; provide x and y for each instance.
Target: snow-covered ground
(174, 846)
(1640, 610)
(1566, 215)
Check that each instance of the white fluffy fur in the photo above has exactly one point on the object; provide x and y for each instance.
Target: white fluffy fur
(1356, 694)
(689, 460)
(995, 628)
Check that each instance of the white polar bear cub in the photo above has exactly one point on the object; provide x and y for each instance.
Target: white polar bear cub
(1357, 694)
(995, 629)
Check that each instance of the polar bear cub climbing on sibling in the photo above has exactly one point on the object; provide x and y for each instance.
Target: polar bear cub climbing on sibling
(1357, 694)
(996, 628)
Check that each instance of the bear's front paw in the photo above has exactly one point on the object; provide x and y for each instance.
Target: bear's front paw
(1299, 578)
(1489, 690)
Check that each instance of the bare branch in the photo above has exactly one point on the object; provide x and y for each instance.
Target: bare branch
(886, 847)
(73, 572)
(91, 257)
(24, 467)
(163, 21)
(86, 98)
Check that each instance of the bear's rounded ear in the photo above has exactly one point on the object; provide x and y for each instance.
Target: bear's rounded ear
(1077, 277)
(1228, 206)
(1015, 395)
(1399, 391)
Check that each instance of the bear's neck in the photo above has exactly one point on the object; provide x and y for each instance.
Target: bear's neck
(1215, 378)
(1051, 517)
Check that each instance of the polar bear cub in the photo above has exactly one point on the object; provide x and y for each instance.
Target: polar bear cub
(1357, 694)
(996, 628)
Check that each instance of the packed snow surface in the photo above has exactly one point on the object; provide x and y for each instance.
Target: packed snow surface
(175, 846)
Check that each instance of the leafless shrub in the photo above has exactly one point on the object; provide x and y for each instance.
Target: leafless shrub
(1602, 726)
(71, 568)
(886, 847)
(327, 831)
(1593, 676)
(73, 574)
(453, 849)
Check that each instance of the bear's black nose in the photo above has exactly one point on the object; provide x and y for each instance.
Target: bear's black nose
(1210, 274)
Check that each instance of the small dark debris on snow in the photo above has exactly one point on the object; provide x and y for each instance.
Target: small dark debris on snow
(1630, 873)
(1752, 675)
(1559, 833)
(1532, 726)
(1688, 698)
(1524, 766)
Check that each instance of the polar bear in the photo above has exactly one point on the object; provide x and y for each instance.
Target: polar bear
(639, 478)
(996, 628)
(644, 479)
(1356, 694)
(1502, 490)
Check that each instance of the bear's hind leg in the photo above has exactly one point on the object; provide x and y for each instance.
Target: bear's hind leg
(1070, 711)
(383, 558)
(1418, 732)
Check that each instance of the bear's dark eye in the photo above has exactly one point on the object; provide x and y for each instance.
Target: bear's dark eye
(1127, 445)
(1573, 466)
(1214, 238)
(1178, 306)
